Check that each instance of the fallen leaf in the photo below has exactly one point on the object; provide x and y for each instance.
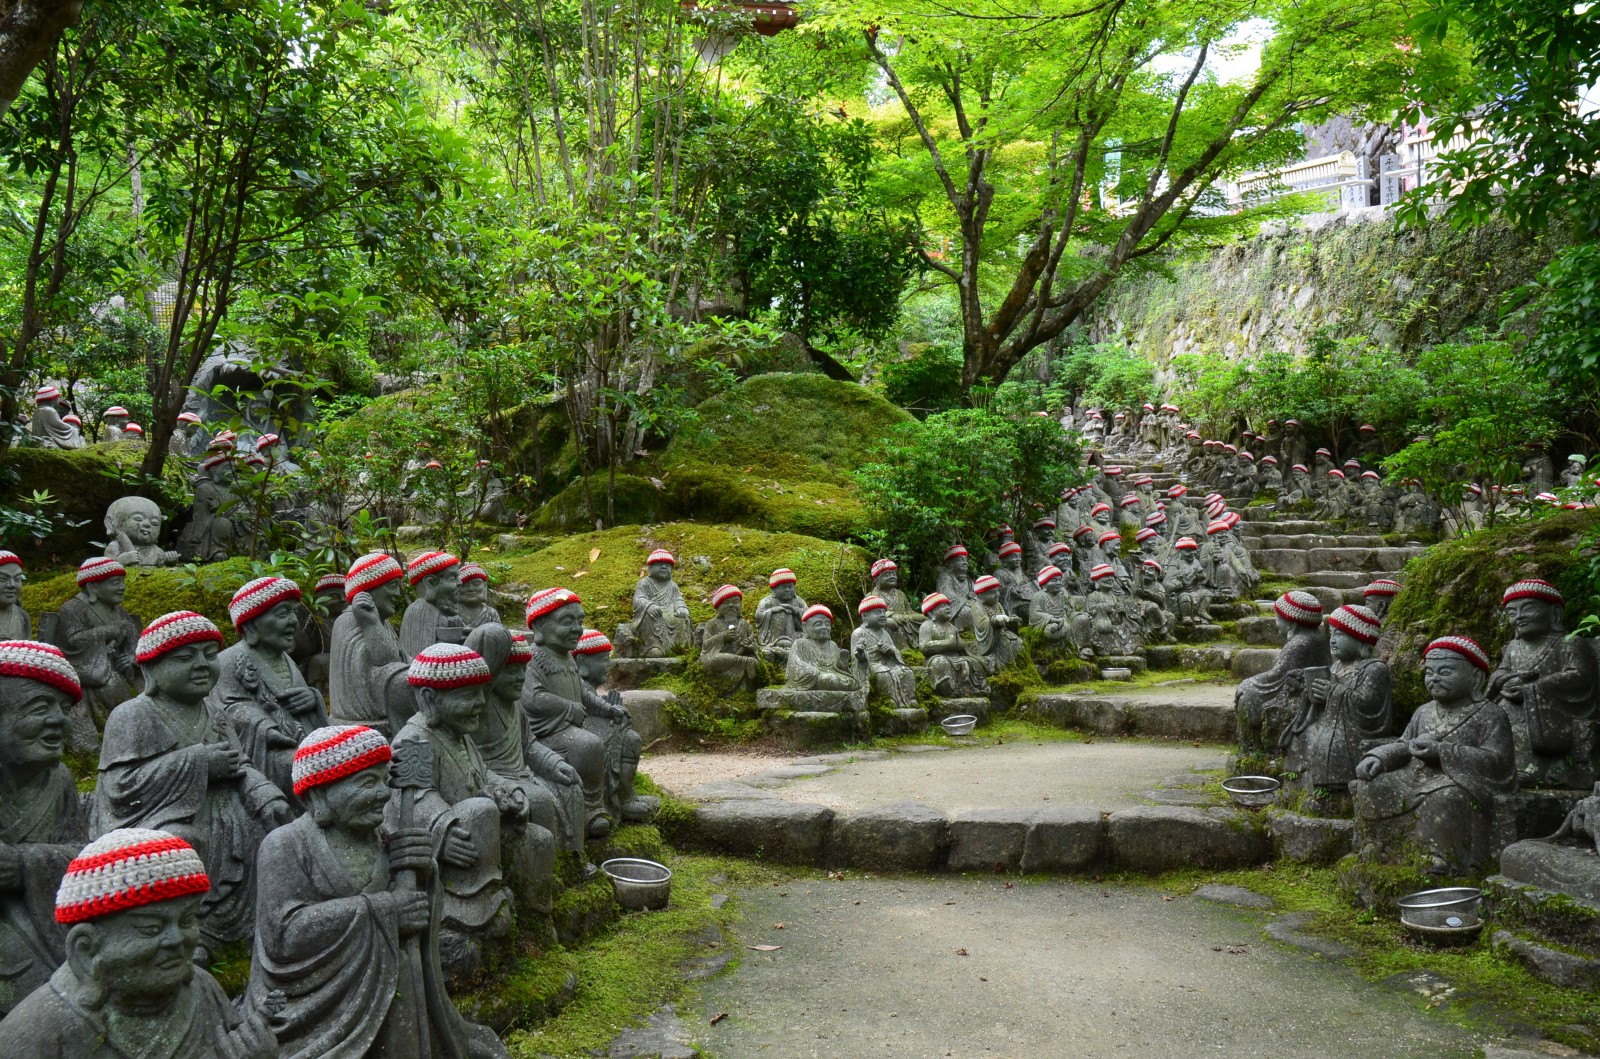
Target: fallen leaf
(718, 1017)
(766, 948)
(579, 573)
(777, 926)
(1010, 886)
(594, 553)
(960, 952)
(982, 979)
(1166, 897)
(1237, 950)
(858, 902)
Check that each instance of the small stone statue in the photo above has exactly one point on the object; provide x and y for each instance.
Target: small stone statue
(314, 636)
(1572, 473)
(98, 638)
(130, 985)
(169, 760)
(904, 617)
(778, 617)
(955, 583)
(187, 441)
(15, 623)
(366, 671)
(357, 907)
(1378, 595)
(1037, 551)
(1016, 587)
(1434, 788)
(952, 670)
(661, 627)
(622, 741)
(48, 429)
(260, 689)
(833, 680)
(472, 598)
(1415, 513)
(996, 642)
(42, 825)
(1344, 707)
(1049, 613)
(872, 645)
(1547, 686)
(1582, 826)
(1265, 703)
(1186, 584)
(432, 617)
(208, 536)
(1112, 618)
(134, 525)
(729, 653)
(113, 421)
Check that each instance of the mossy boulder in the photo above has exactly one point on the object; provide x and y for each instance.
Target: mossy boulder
(152, 593)
(83, 483)
(719, 493)
(636, 500)
(1455, 588)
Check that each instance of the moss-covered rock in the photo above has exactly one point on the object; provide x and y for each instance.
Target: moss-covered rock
(1455, 588)
(719, 493)
(152, 593)
(83, 483)
(636, 500)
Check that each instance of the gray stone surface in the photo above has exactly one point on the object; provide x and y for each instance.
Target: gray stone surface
(988, 839)
(777, 830)
(1162, 838)
(906, 836)
(1564, 969)
(1062, 839)
(1291, 929)
(1310, 839)
(663, 1036)
(1568, 869)
(1250, 661)
(648, 708)
(631, 673)
(1237, 896)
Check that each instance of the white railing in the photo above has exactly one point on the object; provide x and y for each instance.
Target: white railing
(1342, 179)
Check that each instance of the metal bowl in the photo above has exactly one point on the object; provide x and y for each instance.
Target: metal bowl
(959, 724)
(1442, 928)
(1252, 792)
(1449, 900)
(1116, 673)
(640, 885)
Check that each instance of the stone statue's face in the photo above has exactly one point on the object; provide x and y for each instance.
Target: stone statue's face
(562, 629)
(473, 593)
(1450, 678)
(1113, 548)
(33, 723)
(443, 589)
(386, 597)
(508, 682)
(660, 572)
(1379, 605)
(1344, 647)
(459, 710)
(144, 955)
(142, 527)
(594, 667)
(784, 592)
(731, 610)
(116, 420)
(186, 673)
(819, 628)
(1285, 626)
(273, 632)
(1104, 584)
(111, 590)
(957, 565)
(355, 803)
(1531, 617)
(875, 618)
(1054, 587)
(941, 612)
(11, 579)
(188, 429)
(887, 579)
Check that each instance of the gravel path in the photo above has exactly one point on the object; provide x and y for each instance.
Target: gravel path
(681, 773)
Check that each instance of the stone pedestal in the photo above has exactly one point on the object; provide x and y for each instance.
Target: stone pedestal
(786, 700)
(1137, 663)
(1545, 904)
(1531, 814)
(1310, 839)
(648, 708)
(628, 673)
(813, 730)
(977, 706)
(1198, 633)
(907, 721)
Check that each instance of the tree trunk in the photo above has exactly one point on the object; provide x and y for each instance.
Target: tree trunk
(28, 30)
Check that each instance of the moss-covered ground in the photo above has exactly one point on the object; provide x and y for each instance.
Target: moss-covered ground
(154, 592)
(82, 484)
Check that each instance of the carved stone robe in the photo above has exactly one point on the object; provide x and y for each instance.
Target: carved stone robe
(250, 692)
(52, 1023)
(45, 825)
(367, 677)
(1325, 743)
(94, 655)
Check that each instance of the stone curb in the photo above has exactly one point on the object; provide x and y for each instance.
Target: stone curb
(1129, 715)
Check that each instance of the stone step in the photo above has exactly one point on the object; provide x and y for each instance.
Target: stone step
(1238, 662)
(1296, 561)
(1337, 578)
(1312, 540)
(1267, 528)
(1191, 712)
(1261, 632)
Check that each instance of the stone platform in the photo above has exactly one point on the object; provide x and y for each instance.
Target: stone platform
(1189, 711)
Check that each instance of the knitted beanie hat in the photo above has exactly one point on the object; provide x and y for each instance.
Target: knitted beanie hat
(211, 463)
(955, 551)
(1247, 457)
(473, 572)
(1101, 572)
(521, 652)
(1155, 518)
(448, 665)
(883, 566)
(43, 662)
(1047, 575)
(266, 441)
(1113, 471)
(330, 754)
(10, 559)
(72, 417)
(816, 610)
(1214, 498)
(1151, 564)
(100, 568)
(1381, 587)
(188, 417)
(1357, 621)
(725, 593)
(1085, 530)
(327, 581)
(46, 394)
(1270, 460)
(548, 601)
(115, 410)
(128, 868)
(1302, 608)
(1533, 588)
(372, 570)
(1186, 544)
(1216, 527)
(1129, 500)
(1461, 645)
(1107, 537)
(1177, 492)
(1352, 465)
(1230, 449)
(1058, 549)
(781, 576)
(255, 598)
(429, 563)
(986, 583)
(1371, 476)
(1101, 508)
(1323, 452)
(1044, 523)
(661, 555)
(932, 600)
(1010, 548)
(871, 603)
(1231, 518)
(592, 642)
(1146, 534)
(133, 428)
(1367, 428)
(172, 631)
(1300, 468)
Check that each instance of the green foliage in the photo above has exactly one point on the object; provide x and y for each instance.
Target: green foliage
(1565, 302)
(82, 484)
(1107, 375)
(928, 381)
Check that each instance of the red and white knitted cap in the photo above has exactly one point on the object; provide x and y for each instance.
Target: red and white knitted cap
(986, 583)
(1357, 621)
(1148, 407)
(1323, 452)
(1177, 492)
(1216, 527)
(133, 428)
(816, 610)
(1113, 471)
(1231, 518)
(371, 571)
(1143, 479)
(1102, 571)
(1107, 537)
(100, 568)
(781, 576)
(32, 660)
(211, 463)
(188, 417)
(1085, 530)
(1300, 468)
(46, 394)
(1533, 588)
(1370, 475)
(429, 563)
(1543, 498)
(725, 593)
(1129, 500)
(433, 465)
(1229, 449)
(1463, 646)
(330, 754)
(1155, 518)
(548, 601)
(172, 631)
(1044, 523)
(1352, 465)
(1302, 608)
(266, 441)
(1010, 548)
(72, 417)
(883, 566)
(1058, 549)
(1273, 460)
(661, 555)
(932, 600)
(10, 559)
(1153, 565)
(955, 551)
(871, 603)
(327, 581)
(1146, 534)
(1381, 587)
(521, 652)
(1101, 508)
(115, 410)
(128, 868)
(255, 598)
(1367, 428)
(592, 642)
(1186, 544)
(1214, 498)
(473, 572)
(1047, 575)
(1247, 456)
(445, 666)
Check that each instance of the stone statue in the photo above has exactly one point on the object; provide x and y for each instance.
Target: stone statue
(133, 524)
(98, 638)
(130, 986)
(433, 617)
(48, 429)
(1112, 619)
(42, 824)
(1547, 686)
(112, 422)
(952, 670)
(347, 931)
(955, 583)
(1186, 584)
(1017, 589)
(872, 646)
(904, 617)
(1037, 551)
(472, 598)
(1343, 709)
(1415, 513)
(15, 623)
(208, 535)
(559, 705)
(1582, 826)
(366, 671)
(622, 740)
(996, 642)
(260, 689)
(661, 627)
(778, 617)
(188, 441)
(832, 680)
(1572, 473)
(1265, 703)
(314, 636)
(729, 653)
(1049, 613)
(1378, 595)
(1434, 788)
(171, 762)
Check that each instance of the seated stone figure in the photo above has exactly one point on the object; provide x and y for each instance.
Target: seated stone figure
(728, 650)
(171, 762)
(1378, 595)
(130, 903)
(1434, 788)
(1112, 619)
(133, 525)
(830, 680)
(1582, 826)
(955, 584)
(778, 617)
(433, 617)
(347, 930)
(661, 627)
(1049, 612)
(872, 645)
(48, 430)
(366, 671)
(209, 534)
(472, 598)
(260, 689)
(1185, 581)
(622, 741)
(1016, 587)
(559, 705)
(487, 850)
(15, 623)
(1265, 703)
(42, 825)
(904, 617)
(314, 635)
(952, 670)
(995, 641)
(1547, 686)
(1343, 709)
(98, 637)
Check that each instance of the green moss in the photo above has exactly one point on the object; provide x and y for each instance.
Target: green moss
(636, 500)
(154, 592)
(231, 968)
(703, 713)
(719, 493)
(83, 482)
